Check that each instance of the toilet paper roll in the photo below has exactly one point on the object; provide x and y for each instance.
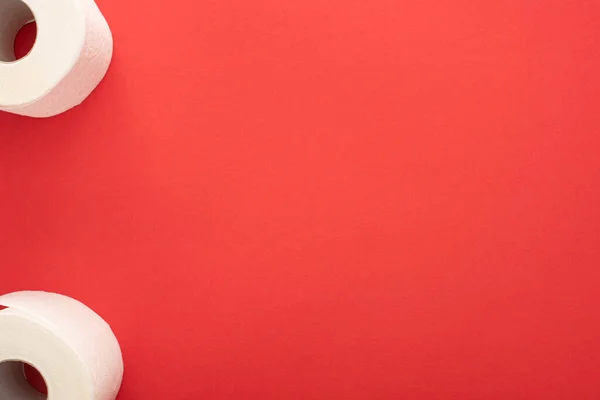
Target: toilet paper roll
(69, 58)
(74, 350)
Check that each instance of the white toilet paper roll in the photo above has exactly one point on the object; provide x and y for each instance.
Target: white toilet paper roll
(69, 58)
(71, 346)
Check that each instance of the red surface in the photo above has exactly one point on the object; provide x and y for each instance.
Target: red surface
(327, 199)
(35, 379)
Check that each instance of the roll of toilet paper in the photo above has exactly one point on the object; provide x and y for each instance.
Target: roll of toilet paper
(74, 350)
(69, 58)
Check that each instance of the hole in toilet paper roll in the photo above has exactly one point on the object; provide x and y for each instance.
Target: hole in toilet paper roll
(14, 16)
(21, 381)
(35, 379)
(25, 40)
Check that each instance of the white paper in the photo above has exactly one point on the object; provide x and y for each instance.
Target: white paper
(72, 347)
(69, 58)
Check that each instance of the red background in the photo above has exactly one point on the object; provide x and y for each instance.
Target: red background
(341, 199)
